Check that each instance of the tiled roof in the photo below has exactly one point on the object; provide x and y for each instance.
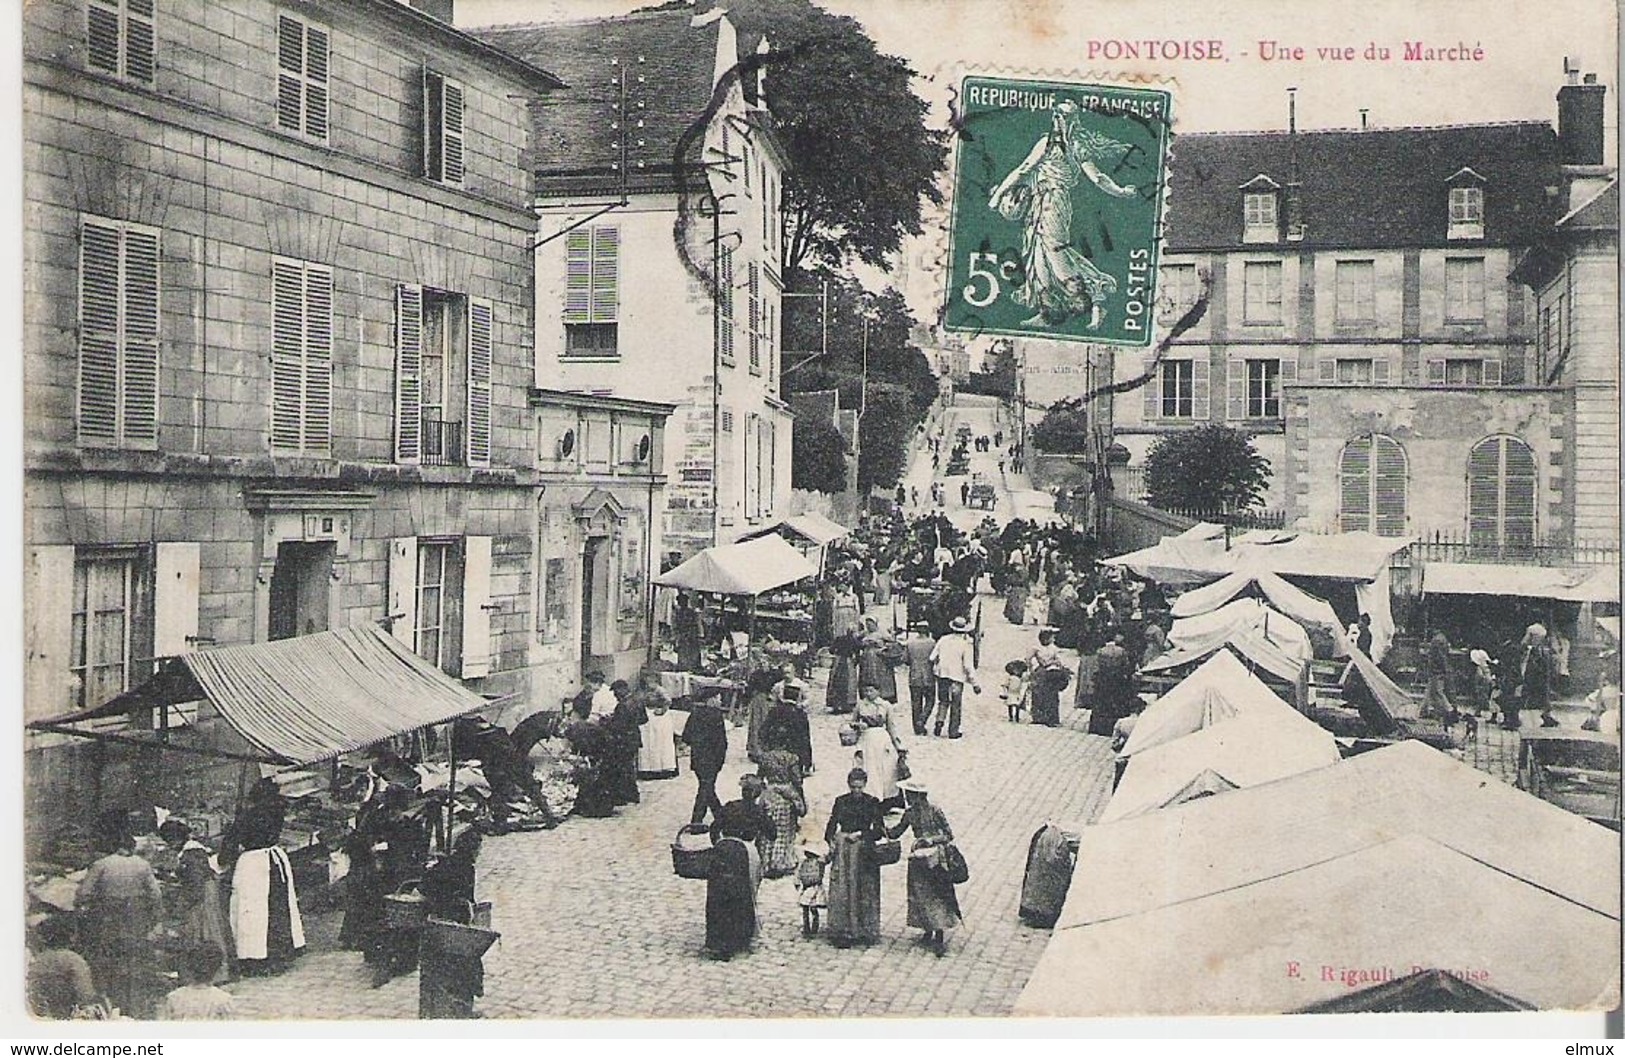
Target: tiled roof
(669, 63)
(1378, 188)
(1601, 212)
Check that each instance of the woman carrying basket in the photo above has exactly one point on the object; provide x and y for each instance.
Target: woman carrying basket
(934, 865)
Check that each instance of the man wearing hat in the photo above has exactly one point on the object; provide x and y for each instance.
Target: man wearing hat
(955, 663)
(922, 680)
(706, 734)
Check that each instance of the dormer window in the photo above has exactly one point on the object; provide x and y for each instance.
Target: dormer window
(1261, 214)
(1466, 205)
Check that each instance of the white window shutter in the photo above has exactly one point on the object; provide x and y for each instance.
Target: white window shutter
(1354, 477)
(753, 320)
(1325, 368)
(139, 407)
(1289, 369)
(431, 123)
(138, 39)
(481, 323)
(1150, 407)
(476, 597)
(1492, 371)
(316, 57)
(1201, 398)
(606, 273)
(1235, 383)
(1379, 370)
(578, 276)
(318, 409)
(1389, 486)
(1435, 376)
(287, 354)
(452, 132)
(48, 632)
(605, 600)
(408, 373)
(99, 298)
(401, 605)
(290, 46)
(176, 582)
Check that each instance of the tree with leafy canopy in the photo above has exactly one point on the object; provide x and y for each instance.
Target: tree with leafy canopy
(817, 457)
(1061, 430)
(1210, 469)
(861, 157)
(997, 378)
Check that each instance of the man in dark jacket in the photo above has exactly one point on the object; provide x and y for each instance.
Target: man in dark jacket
(706, 735)
(625, 723)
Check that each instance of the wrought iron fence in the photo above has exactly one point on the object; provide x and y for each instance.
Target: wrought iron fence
(442, 443)
(1442, 546)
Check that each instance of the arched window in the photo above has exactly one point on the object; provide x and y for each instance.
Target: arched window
(1371, 474)
(1501, 483)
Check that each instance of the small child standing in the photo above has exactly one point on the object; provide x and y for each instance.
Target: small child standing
(810, 887)
(1014, 691)
(197, 999)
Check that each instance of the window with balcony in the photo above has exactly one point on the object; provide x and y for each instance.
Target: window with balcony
(1501, 488)
(1261, 288)
(1372, 479)
(1356, 291)
(118, 334)
(119, 38)
(443, 366)
(592, 266)
(1464, 290)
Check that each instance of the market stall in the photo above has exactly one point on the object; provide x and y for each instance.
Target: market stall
(1221, 689)
(811, 534)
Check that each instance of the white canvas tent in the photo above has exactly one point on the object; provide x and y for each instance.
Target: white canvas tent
(1286, 941)
(1588, 584)
(1245, 751)
(1204, 632)
(1253, 647)
(1305, 609)
(1221, 689)
(747, 568)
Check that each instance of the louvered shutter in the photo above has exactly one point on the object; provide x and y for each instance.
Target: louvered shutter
(725, 302)
(139, 370)
(287, 353)
(408, 373)
(290, 87)
(578, 276)
(1379, 370)
(1200, 387)
(480, 326)
(1235, 380)
(1325, 369)
(433, 125)
(452, 132)
(138, 39)
(1289, 372)
(1519, 482)
(1151, 406)
(1354, 477)
(1388, 487)
(751, 319)
(316, 59)
(606, 273)
(1484, 493)
(476, 660)
(99, 253)
(1492, 372)
(102, 36)
(318, 402)
(1435, 376)
(401, 608)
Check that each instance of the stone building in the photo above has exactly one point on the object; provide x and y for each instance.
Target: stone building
(1364, 325)
(279, 337)
(657, 172)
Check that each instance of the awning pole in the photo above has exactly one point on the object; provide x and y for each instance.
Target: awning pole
(451, 787)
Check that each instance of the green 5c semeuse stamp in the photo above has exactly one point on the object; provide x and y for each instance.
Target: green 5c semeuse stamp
(1057, 210)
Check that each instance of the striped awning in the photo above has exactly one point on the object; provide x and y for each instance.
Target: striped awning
(298, 701)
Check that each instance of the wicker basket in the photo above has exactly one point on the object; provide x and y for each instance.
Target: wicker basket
(690, 862)
(885, 852)
(453, 938)
(849, 734)
(405, 908)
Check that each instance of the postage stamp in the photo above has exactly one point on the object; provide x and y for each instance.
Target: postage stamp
(1057, 204)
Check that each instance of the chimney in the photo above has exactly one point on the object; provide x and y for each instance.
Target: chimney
(1292, 200)
(1579, 118)
(1365, 115)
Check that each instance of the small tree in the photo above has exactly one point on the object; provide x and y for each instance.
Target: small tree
(817, 458)
(1062, 430)
(1211, 468)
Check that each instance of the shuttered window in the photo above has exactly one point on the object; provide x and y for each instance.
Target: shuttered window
(592, 273)
(118, 334)
(481, 324)
(1261, 281)
(1466, 213)
(442, 128)
(1501, 485)
(301, 356)
(111, 645)
(1179, 290)
(302, 57)
(1464, 289)
(1356, 291)
(725, 306)
(1372, 485)
(408, 373)
(119, 38)
(755, 319)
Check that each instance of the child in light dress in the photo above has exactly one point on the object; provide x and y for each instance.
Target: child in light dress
(810, 887)
(1014, 691)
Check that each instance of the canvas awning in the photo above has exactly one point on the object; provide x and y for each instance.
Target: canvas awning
(1202, 558)
(749, 567)
(1219, 690)
(1391, 701)
(1293, 601)
(1582, 584)
(1246, 751)
(1253, 647)
(1207, 631)
(302, 700)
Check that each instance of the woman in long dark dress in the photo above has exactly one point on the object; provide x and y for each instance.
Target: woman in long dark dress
(448, 982)
(265, 920)
(856, 822)
(401, 845)
(842, 693)
(932, 903)
(1015, 594)
(1049, 677)
(786, 728)
(736, 872)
